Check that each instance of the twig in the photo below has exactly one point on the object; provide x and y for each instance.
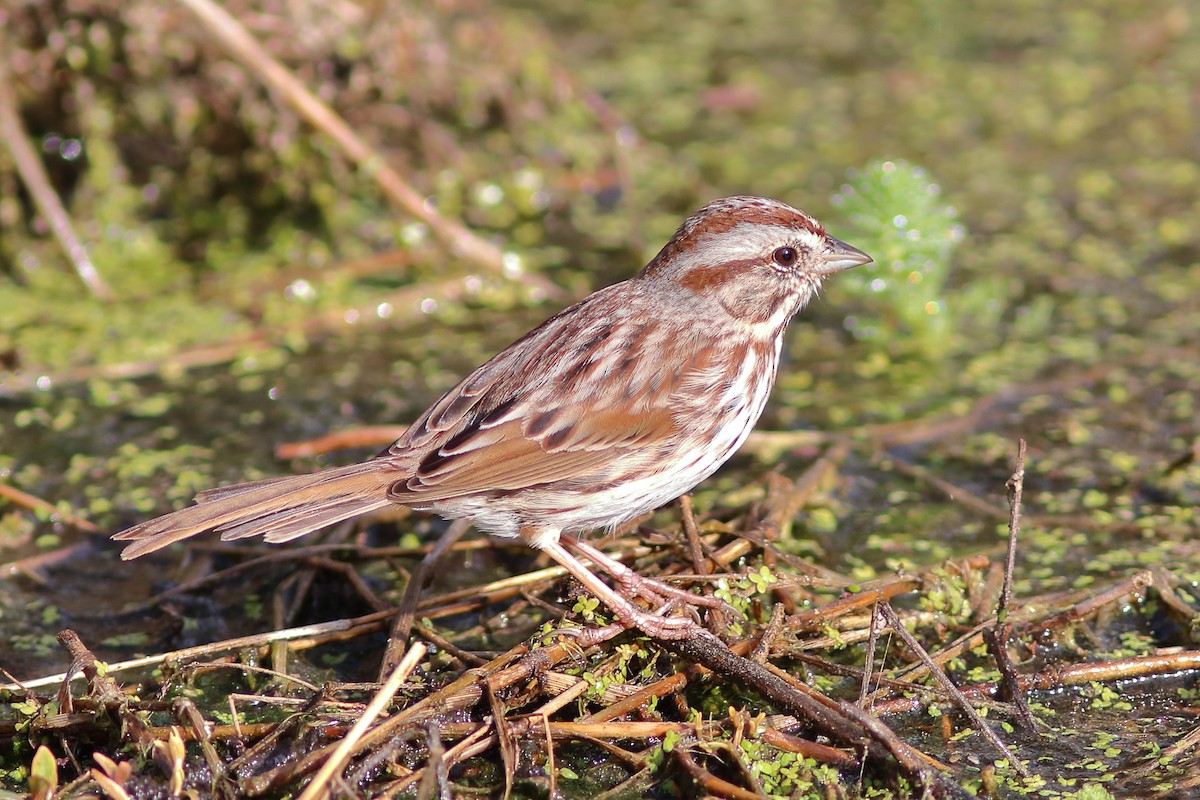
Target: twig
(704, 648)
(504, 737)
(463, 243)
(877, 627)
(688, 514)
(187, 712)
(26, 500)
(1016, 487)
(514, 666)
(320, 783)
(1135, 583)
(33, 175)
(403, 621)
(1056, 677)
(914, 762)
(997, 637)
(101, 684)
(707, 784)
(362, 624)
(897, 626)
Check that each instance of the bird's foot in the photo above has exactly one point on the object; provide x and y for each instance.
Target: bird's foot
(630, 584)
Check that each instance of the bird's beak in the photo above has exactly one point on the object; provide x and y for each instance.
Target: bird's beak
(839, 256)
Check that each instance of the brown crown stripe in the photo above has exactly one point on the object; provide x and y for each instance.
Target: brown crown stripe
(708, 223)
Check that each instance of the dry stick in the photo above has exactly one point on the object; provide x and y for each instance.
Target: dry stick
(867, 596)
(242, 46)
(660, 688)
(911, 754)
(551, 767)
(504, 736)
(914, 762)
(407, 611)
(320, 783)
(805, 747)
(943, 679)
(1091, 605)
(101, 684)
(1163, 581)
(83, 662)
(633, 761)
(903, 680)
(998, 635)
(699, 564)
(33, 175)
(832, 721)
(364, 624)
(512, 667)
(33, 503)
(552, 706)
(1137, 583)
(1016, 486)
(1057, 677)
(762, 650)
(707, 784)
(187, 712)
(877, 627)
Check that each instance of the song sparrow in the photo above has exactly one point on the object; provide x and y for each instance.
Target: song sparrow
(608, 410)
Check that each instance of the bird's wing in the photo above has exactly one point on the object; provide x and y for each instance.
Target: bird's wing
(572, 398)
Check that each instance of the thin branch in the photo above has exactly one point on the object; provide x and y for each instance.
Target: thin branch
(1016, 487)
(234, 38)
(407, 610)
(894, 622)
(997, 637)
(33, 175)
(319, 788)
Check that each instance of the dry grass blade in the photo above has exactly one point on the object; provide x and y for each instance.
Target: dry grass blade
(897, 626)
(37, 182)
(461, 242)
(403, 622)
(299, 636)
(319, 787)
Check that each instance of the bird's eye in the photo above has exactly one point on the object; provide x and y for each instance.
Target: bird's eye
(785, 256)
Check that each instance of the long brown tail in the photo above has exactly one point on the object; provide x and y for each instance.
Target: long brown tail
(278, 509)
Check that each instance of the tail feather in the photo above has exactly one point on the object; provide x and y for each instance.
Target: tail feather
(285, 525)
(221, 492)
(279, 508)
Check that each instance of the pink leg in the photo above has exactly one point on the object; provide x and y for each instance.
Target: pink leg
(653, 624)
(632, 583)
